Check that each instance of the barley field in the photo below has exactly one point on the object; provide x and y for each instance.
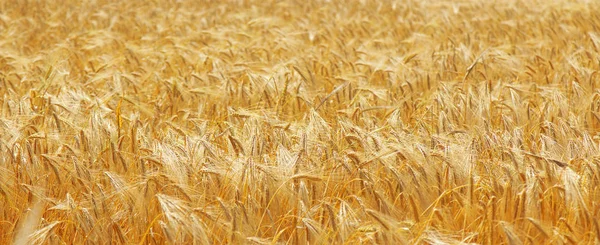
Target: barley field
(300, 122)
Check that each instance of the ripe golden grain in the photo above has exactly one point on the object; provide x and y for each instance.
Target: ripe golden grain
(210, 122)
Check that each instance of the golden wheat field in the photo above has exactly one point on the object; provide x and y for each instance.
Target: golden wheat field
(299, 122)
